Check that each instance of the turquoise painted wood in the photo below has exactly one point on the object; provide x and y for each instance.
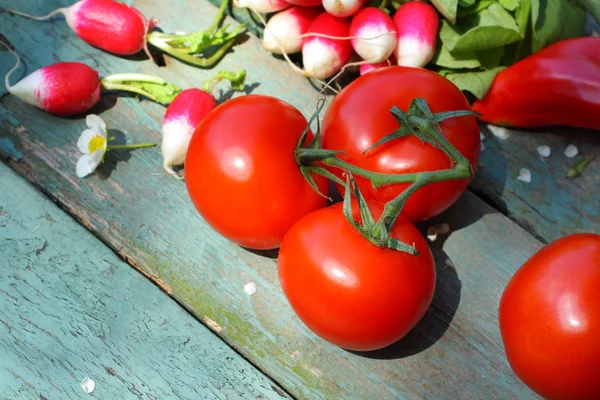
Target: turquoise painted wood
(70, 309)
(146, 217)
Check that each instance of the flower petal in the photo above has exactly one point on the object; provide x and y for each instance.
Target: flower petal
(84, 141)
(88, 163)
(96, 124)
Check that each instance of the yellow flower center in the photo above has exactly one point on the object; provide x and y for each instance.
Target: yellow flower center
(97, 142)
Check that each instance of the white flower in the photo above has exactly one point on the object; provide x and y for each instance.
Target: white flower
(92, 143)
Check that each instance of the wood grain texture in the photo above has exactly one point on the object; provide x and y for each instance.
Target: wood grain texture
(70, 308)
(147, 218)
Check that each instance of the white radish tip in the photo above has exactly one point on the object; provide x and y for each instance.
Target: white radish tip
(170, 171)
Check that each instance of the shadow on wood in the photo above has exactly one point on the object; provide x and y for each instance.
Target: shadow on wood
(113, 157)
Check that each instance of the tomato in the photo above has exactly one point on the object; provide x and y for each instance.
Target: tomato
(550, 319)
(360, 115)
(348, 291)
(241, 173)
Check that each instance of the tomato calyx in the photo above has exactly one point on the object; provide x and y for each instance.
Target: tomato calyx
(419, 121)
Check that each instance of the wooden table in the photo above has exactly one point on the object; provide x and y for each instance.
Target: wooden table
(71, 306)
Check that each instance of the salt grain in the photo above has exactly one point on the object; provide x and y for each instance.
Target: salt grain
(544, 151)
(499, 131)
(571, 151)
(88, 385)
(250, 288)
(524, 175)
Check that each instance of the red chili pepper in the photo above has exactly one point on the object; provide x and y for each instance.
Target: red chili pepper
(559, 85)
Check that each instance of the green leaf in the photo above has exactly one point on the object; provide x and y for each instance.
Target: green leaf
(490, 58)
(475, 8)
(510, 5)
(466, 3)
(447, 8)
(236, 78)
(592, 6)
(491, 27)
(555, 20)
(443, 58)
(475, 82)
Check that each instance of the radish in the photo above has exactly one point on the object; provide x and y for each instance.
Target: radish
(284, 30)
(417, 24)
(262, 6)
(366, 68)
(305, 3)
(68, 88)
(184, 115)
(109, 25)
(342, 8)
(374, 34)
(324, 56)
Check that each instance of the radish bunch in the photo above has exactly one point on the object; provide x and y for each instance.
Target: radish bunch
(329, 35)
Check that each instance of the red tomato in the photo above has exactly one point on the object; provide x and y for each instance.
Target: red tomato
(348, 291)
(241, 173)
(360, 115)
(550, 319)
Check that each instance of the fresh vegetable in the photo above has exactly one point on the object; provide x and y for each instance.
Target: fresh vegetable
(349, 291)
(262, 6)
(305, 3)
(550, 319)
(342, 8)
(417, 25)
(358, 118)
(121, 29)
(365, 68)
(109, 25)
(241, 173)
(374, 35)
(184, 115)
(479, 38)
(559, 85)
(324, 56)
(284, 30)
(68, 88)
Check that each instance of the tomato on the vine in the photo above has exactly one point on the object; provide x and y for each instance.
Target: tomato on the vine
(349, 291)
(359, 116)
(241, 173)
(550, 319)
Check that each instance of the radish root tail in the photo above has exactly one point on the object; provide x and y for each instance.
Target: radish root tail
(43, 18)
(9, 73)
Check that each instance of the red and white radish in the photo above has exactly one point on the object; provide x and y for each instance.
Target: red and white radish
(182, 118)
(284, 30)
(417, 25)
(342, 8)
(305, 3)
(324, 56)
(68, 88)
(262, 6)
(106, 24)
(64, 88)
(373, 34)
(366, 68)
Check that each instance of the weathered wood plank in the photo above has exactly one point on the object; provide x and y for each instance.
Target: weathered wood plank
(148, 220)
(70, 308)
(552, 205)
